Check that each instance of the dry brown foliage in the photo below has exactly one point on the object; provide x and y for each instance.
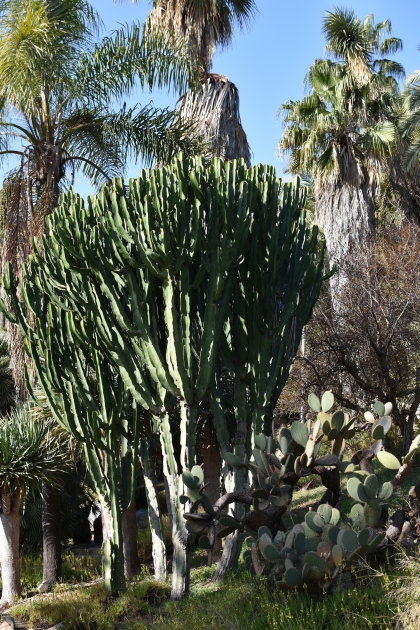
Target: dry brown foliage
(368, 346)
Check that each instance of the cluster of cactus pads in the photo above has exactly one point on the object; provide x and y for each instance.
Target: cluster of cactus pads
(313, 555)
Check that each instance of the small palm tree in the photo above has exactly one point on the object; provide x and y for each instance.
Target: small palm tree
(30, 454)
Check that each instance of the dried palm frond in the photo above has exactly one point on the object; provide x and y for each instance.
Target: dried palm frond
(216, 108)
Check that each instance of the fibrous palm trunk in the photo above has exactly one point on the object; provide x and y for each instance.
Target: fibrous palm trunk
(51, 535)
(215, 106)
(9, 545)
(345, 212)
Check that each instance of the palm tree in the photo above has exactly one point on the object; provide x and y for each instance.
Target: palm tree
(410, 123)
(207, 24)
(58, 89)
(341, 134)
(30, 454)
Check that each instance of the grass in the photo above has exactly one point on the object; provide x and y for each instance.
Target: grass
(384, 600)
(237, 604)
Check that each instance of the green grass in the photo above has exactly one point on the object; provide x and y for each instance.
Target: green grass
(239, 603)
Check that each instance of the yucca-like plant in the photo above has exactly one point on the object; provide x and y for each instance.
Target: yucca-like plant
(30, 453)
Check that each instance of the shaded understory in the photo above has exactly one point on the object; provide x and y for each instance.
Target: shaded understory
(239, 603)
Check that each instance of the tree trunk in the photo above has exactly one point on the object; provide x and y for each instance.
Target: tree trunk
(155, 518)
(129, 532)
(112, 548)
(212, 470)
(51, 535)
(233, 545)
(9, 546)
(345, 213)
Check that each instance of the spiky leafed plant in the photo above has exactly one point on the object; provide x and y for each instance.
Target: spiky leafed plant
(342, 132)
(60, 109)
(30, 453)
(410, 121)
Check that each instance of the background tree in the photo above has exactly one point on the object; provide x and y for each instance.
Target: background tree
(341, 134)
(368, 349)
(59, 87)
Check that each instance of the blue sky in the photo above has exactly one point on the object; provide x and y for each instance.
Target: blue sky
(268, 61)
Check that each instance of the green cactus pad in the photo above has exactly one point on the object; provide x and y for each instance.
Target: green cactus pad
(299, 543)
(206, 503)
(297, 467)
(379, 408)
(196, 527)
(288, 564)
(372, 512)
(261, 442)
(228, 521)
(388, 460)
(309, 449)
(271, 445)
(225, 532)
(347, 539)
(286, 551)
(233, 460)
(327, 401)
(363, 537)
(271, 553)
(324, 550)
(280, 500)
(311, 543)
(249, 541)
(264, 530)
(337, 554)
(314, 402)
(316, 428)
(377, 540)
(357, 515)
(248, 562)
(326, 511)
(299, 433)
(335, 517)
(204, 542)
(284, 443)
(378, 432)
(326, 427)
(259, 461)
(190, 480)
(369, 417)
(197, 473)
(332, 435)
(315, 576)
(263, 504)
(388, 408)
(314, 560)
(371, 486)
(350, 433)
(356, 490)
(314, 521)
(346, 467)
(292, 577)
(333, 533)
(386, 491)
(337, 421)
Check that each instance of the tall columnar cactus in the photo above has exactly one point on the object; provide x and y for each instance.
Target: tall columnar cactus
(89, 399)
(273, 293)
(143, 273)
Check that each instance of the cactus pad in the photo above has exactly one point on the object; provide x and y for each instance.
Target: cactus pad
(372, 512)
(292, 577)
(357, 515)
(314, 402)
(347, 539)
(356, 490)
(299, 433)
(386, 491)
(388, 460)
(327, 401)
(379, 407)
(363, 537)
(371, 486)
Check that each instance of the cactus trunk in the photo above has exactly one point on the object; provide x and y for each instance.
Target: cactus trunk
(155, 518)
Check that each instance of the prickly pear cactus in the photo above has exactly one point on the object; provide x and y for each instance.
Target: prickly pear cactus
(313, 555)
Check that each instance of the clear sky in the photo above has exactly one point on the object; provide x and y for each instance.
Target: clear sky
(268, 61)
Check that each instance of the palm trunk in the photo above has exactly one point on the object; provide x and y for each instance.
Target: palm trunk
(345, 212)
(9, 546)
(51, 535)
